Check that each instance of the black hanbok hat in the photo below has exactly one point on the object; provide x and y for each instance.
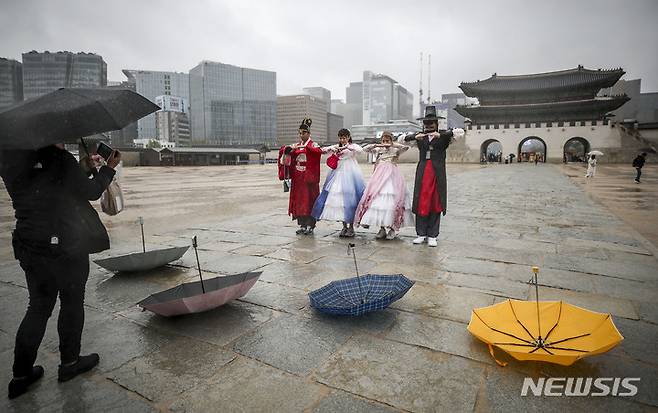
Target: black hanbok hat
(306, 125)
(430, 114)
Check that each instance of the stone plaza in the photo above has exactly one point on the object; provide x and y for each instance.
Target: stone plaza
(270, 352)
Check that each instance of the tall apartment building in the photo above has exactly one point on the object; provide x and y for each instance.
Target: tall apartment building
(150, 84)
(172, 123)
(123, 137)
(384, 99)
(451, 100)
(11, 83)
(334, 124)
(231, 105)
(352, 109)
(46, 72)
(319, 93)
(290, 112)
(173, 127)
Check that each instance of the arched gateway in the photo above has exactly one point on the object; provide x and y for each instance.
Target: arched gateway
(575, 149)
(489, 149)
(532, 148)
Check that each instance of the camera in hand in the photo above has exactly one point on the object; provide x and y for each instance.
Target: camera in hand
(104, 150)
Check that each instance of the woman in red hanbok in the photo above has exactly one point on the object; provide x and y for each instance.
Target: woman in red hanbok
(304, 170)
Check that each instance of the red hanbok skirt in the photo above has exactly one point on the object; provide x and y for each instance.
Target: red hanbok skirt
(429, 201)
(302, 198)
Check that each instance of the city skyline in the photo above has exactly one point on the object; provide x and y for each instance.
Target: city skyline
(465, 41)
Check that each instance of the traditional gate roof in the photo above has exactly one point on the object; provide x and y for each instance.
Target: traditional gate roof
(590, 109)
(563, 79)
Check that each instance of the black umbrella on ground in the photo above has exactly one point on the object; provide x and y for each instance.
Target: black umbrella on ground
(66, 115)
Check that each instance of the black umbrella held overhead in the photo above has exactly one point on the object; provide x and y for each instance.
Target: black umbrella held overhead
(66, 115)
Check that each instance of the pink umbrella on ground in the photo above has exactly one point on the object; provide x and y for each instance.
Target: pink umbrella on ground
(202, 295)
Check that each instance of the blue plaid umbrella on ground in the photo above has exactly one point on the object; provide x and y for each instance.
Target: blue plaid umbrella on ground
(361, 294)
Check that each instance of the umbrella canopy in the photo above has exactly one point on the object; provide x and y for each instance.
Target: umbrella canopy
(597, 153)
(68, 114)
(142, 261)
(199, 296)
(359, 295)
(563, 333)
(550, 331)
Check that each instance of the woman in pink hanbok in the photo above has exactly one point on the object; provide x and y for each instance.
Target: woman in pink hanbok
(386, 202)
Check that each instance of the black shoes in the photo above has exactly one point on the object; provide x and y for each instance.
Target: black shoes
(21, 385)
(84, 363)
(18, 386)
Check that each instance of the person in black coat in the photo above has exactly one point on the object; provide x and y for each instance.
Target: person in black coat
(638, 163)
(56, 230)
(430, 197)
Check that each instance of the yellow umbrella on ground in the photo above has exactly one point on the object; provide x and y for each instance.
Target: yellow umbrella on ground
(551, 331)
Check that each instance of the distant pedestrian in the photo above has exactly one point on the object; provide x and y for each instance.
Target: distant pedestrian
(536, 159)
(386, 201)
(638, 163)
(344, 185)
(591, 167)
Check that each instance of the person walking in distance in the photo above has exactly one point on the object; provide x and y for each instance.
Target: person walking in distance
(591, 167)
(638, 163)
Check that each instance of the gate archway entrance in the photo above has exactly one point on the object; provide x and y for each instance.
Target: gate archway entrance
(575, 150)
(490, 150)
(532, 148)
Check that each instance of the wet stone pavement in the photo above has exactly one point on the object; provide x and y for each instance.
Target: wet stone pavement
(271, 352)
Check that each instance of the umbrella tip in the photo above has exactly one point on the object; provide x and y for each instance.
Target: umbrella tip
(535, 269)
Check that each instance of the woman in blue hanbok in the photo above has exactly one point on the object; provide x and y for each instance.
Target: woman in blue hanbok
(344, 185)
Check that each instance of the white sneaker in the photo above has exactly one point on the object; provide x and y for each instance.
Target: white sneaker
(431, 242)
(419, 240)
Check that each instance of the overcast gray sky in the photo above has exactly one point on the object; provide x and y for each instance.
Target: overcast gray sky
(330, 43)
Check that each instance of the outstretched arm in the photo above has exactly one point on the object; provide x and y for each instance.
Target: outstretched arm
(441, 140)
(332, 148)
(400, 147)
(369, 148)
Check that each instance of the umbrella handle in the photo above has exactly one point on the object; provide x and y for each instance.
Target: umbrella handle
(196, 253)
(500, 363)
(141, 223)
(535, 271)
(351, 246)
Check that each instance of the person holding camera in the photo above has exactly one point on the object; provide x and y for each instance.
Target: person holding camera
(56, 230)
(430, 200)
